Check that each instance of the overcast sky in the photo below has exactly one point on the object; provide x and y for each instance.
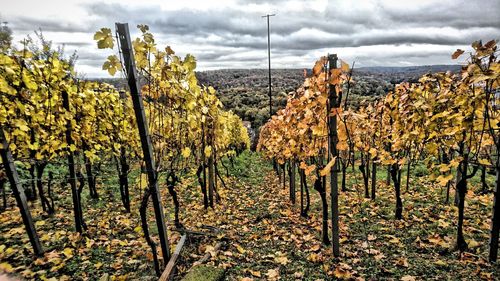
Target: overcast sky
(232, 34)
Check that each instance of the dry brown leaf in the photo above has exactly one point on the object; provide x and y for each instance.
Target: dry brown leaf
(272, 274)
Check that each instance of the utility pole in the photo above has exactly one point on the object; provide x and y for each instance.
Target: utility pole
(269, 61)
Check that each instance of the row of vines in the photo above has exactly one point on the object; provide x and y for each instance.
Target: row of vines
(48, 115)
(449, 122)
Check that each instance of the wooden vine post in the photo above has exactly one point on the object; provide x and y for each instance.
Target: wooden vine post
(204, 165)
(147, 148)
(292, 181)
(77, 207)
(495, 219)
(211, 172)
(333, 104)
(10, 170)
(124, 166)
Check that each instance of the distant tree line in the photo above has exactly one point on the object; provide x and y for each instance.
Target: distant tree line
(5, 36)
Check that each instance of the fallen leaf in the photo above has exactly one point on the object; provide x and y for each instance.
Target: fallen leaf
(402, 262)
(240, 249)
(272, 274)
(298, 274)
(379, 256)
(315, 257)
(281, 260)
(6, 267)
(440, 263)
(473, 244)
(342, 273)
(395, 240)
(68, 252)
(255, 273)
(211, 250)
(315, 248)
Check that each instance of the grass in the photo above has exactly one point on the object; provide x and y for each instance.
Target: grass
(373, 244)
(262, 234)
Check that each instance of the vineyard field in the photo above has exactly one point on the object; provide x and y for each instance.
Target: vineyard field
(363, 153)
(274, 240)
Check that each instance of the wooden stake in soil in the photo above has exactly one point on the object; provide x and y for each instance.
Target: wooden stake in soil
(333, 103)
(10, 170)
(169, 269)
(142, 124)
(77, 206)
(495, 219)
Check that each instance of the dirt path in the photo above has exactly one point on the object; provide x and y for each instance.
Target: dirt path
(267, 238)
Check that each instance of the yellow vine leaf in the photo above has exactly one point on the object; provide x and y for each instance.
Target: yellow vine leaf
(169, 51)
(443, 180)
(208, 151)
(318, 68)
(104, 38)
(457, 53)
(112, 64)
(4, 266)
(344, 66)
(485, 162)
(68, 252)
(186, 152)
(328, 167)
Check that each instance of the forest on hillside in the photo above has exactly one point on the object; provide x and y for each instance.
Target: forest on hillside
(246, 91)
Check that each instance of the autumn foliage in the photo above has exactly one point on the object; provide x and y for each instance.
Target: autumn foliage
(447, 121)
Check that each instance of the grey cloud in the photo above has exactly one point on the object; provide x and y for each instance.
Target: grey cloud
(186, 22)
(91, 58)
(230, 37)
(25, 24)
(77, 44)
(222, 22)
(227, 33)
(238, 28)
(460, 14)
(210, 55)
(376, 37)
